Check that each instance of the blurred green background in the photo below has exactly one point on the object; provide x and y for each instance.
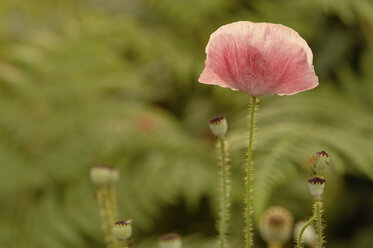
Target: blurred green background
(85, 82)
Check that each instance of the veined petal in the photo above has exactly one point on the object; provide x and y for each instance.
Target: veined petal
(259, 59)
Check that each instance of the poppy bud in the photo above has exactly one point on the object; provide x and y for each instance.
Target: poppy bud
(103, 175)
(316, 186)
(218, 126)
(170, 240)
(276, 225)
(321, 161)
(122, 230)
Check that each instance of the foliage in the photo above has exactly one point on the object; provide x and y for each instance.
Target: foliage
(84, 82)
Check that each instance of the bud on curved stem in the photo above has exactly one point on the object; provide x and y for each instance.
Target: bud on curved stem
(308, 223)
(305, 233)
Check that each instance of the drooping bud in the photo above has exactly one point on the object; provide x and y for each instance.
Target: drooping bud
(122, 230)
(170, 240)
(316, 185)
(276, 225)
(309, 235)
(218, 126)
(104, 176)
(320, 162)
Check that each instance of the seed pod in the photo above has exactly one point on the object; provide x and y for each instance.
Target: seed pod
(316, 186)
(123, 230)
(218, 126)
(170, 240)
(104, 175)
(276, 225)
(321, 161)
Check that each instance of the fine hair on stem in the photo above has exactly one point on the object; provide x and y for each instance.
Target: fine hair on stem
(224, 190)
(249, 171)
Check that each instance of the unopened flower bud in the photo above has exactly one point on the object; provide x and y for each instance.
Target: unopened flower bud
(321, 161)
(170, 240)
(122, 230)
(309, 235)
(316, 185)
(276, 225)
(218, 126)
(103, 175)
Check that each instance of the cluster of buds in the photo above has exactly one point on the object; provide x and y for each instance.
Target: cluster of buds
(276, 225)
(123, 230)
(218, 126)
(170, 240)
(320, 161)
(104, 175)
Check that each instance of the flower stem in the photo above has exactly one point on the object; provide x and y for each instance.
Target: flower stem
(100, 195)
(249, 235)
(309, 222)
(224, 191)
(319, 223)
(112, 214)
(106, 199)
(113, 202)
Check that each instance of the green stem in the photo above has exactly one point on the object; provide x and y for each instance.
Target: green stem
(100, 195)
(113, 210)
(110, 220)
(109, 198)
(224, 189)
(299, 241)
(113, 202)
(249, 235)
(319, 223)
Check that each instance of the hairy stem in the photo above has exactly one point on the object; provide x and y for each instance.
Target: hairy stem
(249, 235)
(224, 191)
(319, 223)
(106, 198)
(113, 203)
(100, 196)
(309, 222)
(112, 215)
(110, 218)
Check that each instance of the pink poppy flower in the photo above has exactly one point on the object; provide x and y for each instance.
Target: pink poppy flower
(259, 59)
